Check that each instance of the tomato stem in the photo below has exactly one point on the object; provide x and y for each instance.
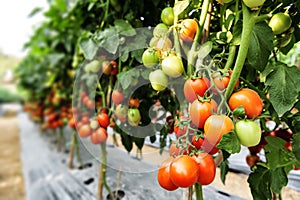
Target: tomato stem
(199, 192)
(248, 24)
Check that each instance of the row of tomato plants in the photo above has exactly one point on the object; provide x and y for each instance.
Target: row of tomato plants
(212, 66)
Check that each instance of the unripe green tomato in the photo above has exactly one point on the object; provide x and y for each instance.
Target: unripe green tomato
(160, 30)
(150, 58)
(167, 16)
(254, 3)
(158, 79)
(172, 66)
(280, 22)
(134, 116)
(93, 66)
(248, 132)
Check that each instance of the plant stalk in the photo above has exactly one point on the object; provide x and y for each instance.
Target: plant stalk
(248, 24)
(199, 191)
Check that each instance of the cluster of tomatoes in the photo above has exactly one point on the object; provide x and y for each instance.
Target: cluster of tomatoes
(126, 112)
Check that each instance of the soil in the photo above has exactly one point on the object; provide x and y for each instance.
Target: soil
(11, 179)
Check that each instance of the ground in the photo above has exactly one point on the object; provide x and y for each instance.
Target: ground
(11, 179)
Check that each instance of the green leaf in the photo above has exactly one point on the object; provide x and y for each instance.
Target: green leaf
(296, 146)
(35, 11)
(124, 28)
(283, 82)
(124, 79)
(180, 6)
(224, 167)
(276, 154)
(230, 143)
(55, 58)
(260, 47)
(137, 54)
(89, 48)
(139, 142)
(259, 181)
(108, 39)
(205, 49)
(279, 179)
(237, 33)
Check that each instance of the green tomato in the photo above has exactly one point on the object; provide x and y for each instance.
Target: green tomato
(150, 58)
(248, 132)
(280, 22)
(254, 3)
(93, 66)
(134, 116)
(172, 66)
(167, 16)
(160, 30)
(158, 79)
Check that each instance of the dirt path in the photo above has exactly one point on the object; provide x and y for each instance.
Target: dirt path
(11, 179)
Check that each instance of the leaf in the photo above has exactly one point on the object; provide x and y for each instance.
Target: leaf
(230, 143)
(180, 6)
(224, 167)
(137, 54)
(259, 181)
(261, 45)
(124, 28)
(283, 82)
(296, 146)
(276, 154)
(89, 48)
(124, 79)
(54, 58)
(35, 11)
(139, 142)
(279, 179)
(205, 49)
(108, 39)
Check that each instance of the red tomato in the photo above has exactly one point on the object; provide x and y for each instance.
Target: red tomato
(179, 130)
(117, 97)
(207, 168)
(188, 30)
(194, 87)
(216, 126)
(101, 135)
(94, 138)
(134, 102)
(200, 111)
(184, 171)
(103, 119)
(249, 99)
(85, 131)
(163, 175)
(203, 144)
(72, 123)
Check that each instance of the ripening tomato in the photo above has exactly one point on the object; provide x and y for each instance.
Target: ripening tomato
(103, 119)
(121, 112)
(216, 126)
(101, 135)
(203, 144)
(194, 87)
(188, 30)
(200, 111)
(85, 119)
(85, 131)
(184, 171)
(249, 99)
(251, 160)
(134, 102)
(106, 67)
(164, 177)
(158, 79)
(179, 129)
(207, 168)
(117, 97)
(221, 81)
(162, 44)
(94, 138)
(72, 123)
(172, 66)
